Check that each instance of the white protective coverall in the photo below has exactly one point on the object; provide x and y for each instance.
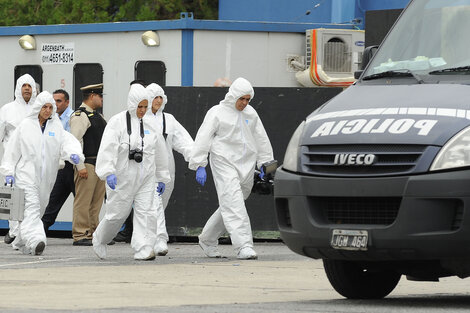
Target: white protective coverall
(32, 157)
(11, 114)
(237, 142)
(177, 138)
(135, 181)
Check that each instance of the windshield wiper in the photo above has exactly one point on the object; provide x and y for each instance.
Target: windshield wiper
(459, 69)
(395, 73)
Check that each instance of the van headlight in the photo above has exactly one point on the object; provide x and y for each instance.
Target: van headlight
(291, 158)
(455, 153)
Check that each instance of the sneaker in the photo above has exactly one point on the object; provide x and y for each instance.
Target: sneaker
(210, 251)
(143, 255)
(161, 248)
(247, 253)
(100, 251)
(8, 239)
(39, 248)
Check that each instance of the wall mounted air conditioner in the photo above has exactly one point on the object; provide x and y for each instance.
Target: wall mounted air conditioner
(332, 57)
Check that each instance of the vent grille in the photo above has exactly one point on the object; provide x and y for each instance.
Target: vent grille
(389, 159)
(357, 210)
(336, 57)
(308, 47)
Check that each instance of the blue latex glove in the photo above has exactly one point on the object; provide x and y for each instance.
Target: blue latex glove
(261, 173)
(75, 158)
(9, 180)
(160, 188)
(201, 175)
(112, 181)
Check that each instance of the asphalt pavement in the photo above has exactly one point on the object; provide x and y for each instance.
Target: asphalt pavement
(68, 278)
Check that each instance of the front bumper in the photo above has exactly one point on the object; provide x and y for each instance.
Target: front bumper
(432, 220)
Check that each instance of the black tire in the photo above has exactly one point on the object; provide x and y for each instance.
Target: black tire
(354, 280)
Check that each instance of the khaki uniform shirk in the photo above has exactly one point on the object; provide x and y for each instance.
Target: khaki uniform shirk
(89, 193)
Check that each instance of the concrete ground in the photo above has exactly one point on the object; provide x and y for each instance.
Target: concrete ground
(67, 278)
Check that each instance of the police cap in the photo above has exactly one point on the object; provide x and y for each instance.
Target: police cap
(96, 89)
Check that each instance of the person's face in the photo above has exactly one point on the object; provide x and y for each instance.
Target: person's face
(142, 108)
(61, 103)
(26, 92)
(157, 104)
(46, 111)
(242, 102)
(97, 100)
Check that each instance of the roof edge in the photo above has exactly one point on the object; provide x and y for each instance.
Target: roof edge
(181, 24)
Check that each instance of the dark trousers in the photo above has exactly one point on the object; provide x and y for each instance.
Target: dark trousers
(128, 224)
(63, 186)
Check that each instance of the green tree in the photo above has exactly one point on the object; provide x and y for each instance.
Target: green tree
(43, 12)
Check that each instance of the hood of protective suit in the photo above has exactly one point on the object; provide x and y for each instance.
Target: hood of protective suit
(239, 88)
(137, 93)
(154, 90)
(25, 79)
(43, 98)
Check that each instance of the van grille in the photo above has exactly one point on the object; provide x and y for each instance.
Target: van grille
(357, 210)
(390, 160)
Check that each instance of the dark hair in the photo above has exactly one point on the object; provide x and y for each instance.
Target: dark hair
(87, 96)
(138, 81)
(62, 91)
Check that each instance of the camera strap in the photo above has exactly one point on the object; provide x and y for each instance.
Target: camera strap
(164, 126)
(129, 129)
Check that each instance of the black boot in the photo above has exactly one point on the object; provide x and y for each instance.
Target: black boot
(123, 236)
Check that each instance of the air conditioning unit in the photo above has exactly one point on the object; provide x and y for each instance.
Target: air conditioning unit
(332, 57)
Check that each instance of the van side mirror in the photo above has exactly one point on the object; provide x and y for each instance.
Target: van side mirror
(367, 56)
(358, 74)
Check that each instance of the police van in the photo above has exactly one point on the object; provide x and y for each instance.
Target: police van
(376, 182)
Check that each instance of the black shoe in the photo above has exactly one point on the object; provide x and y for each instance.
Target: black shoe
(39, 248)
(83, 242)
(112, 242)
(123, 236)
(225, 241)
(8, 239)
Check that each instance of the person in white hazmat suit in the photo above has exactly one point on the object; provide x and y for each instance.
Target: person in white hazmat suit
(11, 114)
(233, 134)
(130, 163)
(177, 138)
(31, 160)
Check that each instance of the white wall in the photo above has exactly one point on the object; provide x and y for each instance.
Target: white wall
(261, 57)
(116, 52)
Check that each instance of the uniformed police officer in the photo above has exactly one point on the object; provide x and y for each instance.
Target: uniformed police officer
(87, 125)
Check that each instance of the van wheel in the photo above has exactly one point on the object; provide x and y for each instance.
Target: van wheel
(354, 280)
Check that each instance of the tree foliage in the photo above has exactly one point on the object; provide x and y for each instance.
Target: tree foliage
(44, 12)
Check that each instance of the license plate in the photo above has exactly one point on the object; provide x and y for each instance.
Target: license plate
(349, 239)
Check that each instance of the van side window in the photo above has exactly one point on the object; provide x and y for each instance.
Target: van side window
(85, 74)
(34, 70)
(150, 72)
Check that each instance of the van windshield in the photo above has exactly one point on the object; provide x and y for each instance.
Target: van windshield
(431, 37)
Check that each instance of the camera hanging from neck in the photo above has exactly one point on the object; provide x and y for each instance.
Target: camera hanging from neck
(129, 132)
